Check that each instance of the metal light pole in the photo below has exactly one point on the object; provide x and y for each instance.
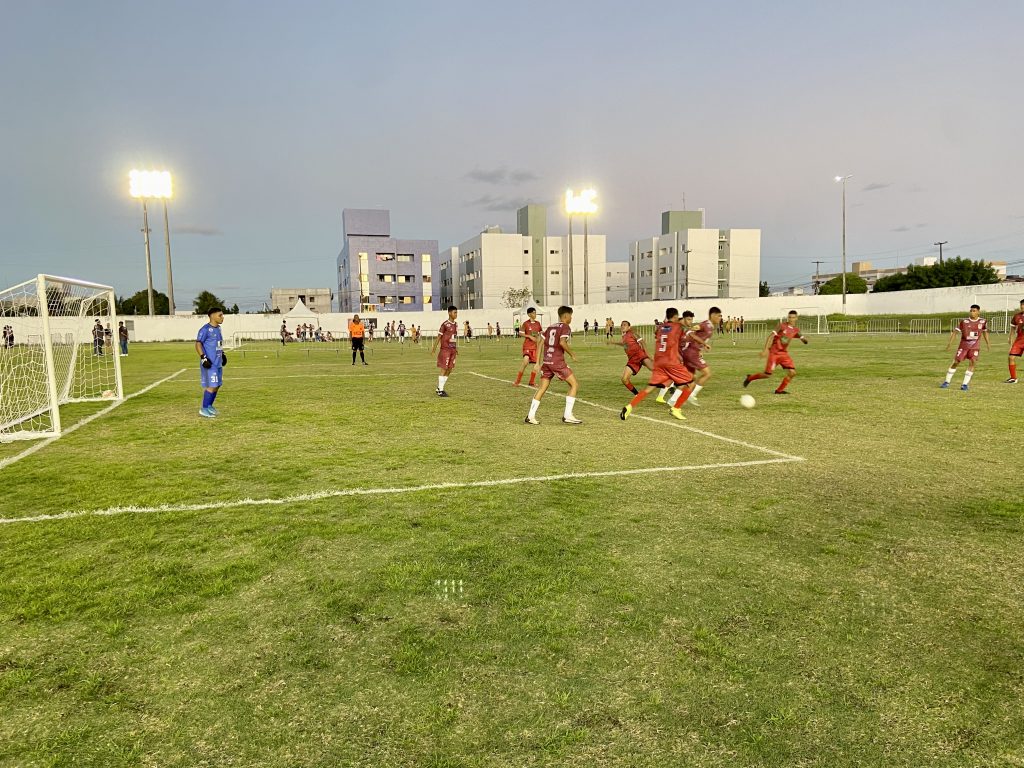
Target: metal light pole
(145, 185)
(844, 179)
(944, 242)
(170, 276)
(586, 263)
(149, 264)
(817, 275)
(570, 262)
(583, 204)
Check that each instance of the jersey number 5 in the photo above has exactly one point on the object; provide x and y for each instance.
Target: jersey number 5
(662, 342)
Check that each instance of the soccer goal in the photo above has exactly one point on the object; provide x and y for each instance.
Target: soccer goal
(58, 347)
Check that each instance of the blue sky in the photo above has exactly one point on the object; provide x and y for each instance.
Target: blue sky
(275, 117)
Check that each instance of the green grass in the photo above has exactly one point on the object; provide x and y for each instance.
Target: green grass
(862, 607)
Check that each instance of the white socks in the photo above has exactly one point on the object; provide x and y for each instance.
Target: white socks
(675, 397)
(696, 388)
(949, 375)
(440, 383)
(534, 405)
(967, 377)
(569, 403)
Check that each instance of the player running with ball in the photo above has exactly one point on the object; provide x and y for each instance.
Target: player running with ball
(668, 367)
(776, 350)
(698, 340)
(971, 330)
(556, 346)
(210, 348)
(531, 333)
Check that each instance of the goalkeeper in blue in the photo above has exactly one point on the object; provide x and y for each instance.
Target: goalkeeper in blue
(210, 348)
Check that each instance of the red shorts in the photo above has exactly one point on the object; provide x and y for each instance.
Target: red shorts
(636, 363)
(549, 371)
(446, 358)
(693, 360)
(530, 353)
(670, 374)
(963, 353)
(782, 359)
(1018, 347)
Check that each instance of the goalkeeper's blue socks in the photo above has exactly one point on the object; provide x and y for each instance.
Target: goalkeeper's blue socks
(208, 398)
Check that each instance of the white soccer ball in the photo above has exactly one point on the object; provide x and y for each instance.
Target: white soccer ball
(108, 393)
(747, 401)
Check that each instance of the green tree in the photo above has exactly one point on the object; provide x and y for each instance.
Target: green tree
(854, 284)
(514, 298)
(234, 309)
(206, 301)
(763, 289)
(950, 273)
(138, 303)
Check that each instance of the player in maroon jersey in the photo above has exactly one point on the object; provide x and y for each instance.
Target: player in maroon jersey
(776, 350)
(668, 367)
(531, 335)
(636, 355)
(696, 342)
(971, 331)
(447, 339)
(1016, 342)
(556, 346)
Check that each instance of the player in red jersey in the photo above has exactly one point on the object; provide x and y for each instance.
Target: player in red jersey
(776, 350)
(556, 346)
(636, 355)
(697, 342)
(1016, 342)
(447, 339)
(668, 367)
(971, 330)
(531, 335)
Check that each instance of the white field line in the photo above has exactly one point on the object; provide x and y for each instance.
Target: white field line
(337, 375)
(40, 445)
(734, 441)
(340, 493)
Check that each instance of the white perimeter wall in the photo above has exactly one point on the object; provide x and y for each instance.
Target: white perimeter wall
(994, 299)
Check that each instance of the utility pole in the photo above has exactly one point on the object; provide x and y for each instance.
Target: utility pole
(944, 242)
(817, 275)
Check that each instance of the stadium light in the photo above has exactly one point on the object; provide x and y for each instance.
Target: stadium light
(157, 185)
(583, 204)
(843, 180)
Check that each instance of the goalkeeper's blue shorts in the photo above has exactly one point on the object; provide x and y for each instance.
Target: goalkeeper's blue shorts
(210, 377)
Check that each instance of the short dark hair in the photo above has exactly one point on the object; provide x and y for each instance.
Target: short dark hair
(452, 308)
(687, 313)
(531, 310)
(210, 311)
(671, 312)
(714, 311)
(975, 306)
(793, 312)
(628, 323)
(562, 310)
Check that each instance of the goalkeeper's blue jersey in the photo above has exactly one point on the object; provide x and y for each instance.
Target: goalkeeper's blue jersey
(212, 341)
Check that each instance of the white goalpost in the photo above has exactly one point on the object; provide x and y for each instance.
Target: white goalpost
(59, 347)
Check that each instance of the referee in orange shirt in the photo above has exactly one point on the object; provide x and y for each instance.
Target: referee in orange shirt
(356, 331)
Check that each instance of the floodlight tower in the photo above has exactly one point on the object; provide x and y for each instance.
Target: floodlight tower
(146, 185)
(843, 180)
(585, 205)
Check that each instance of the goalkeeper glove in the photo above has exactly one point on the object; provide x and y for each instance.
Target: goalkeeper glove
(206, 362)
(223, 359)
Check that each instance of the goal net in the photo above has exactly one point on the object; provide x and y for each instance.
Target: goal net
(59, 346)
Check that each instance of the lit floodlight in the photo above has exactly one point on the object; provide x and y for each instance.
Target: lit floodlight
(149, 184)
(583, 203)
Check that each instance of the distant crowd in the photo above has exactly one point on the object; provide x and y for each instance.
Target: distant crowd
(304, 332)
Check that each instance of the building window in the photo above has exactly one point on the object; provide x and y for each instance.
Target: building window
(426, 278)
(555, 272)
(406, 299)
(426, 258)
(526, 271)
(428, 299)
(405, 258)
(553, 293)
(552, 253)
(385, 278)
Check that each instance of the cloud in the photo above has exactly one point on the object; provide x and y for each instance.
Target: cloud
(902, 228)
(922, 226)
(501, 176)
(189, 229)
(500, 203)
(877, 185)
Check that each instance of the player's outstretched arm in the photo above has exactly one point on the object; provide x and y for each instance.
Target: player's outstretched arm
(952, 335)
(767, 343)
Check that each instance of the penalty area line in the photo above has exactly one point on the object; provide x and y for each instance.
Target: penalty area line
(344, 492)
(39, 446)
(734, 441)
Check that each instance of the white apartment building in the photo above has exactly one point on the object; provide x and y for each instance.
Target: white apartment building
(616, 282)
(690, 261)
(316, 299)
(477, 273)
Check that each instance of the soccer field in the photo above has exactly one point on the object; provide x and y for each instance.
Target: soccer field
(344, 569)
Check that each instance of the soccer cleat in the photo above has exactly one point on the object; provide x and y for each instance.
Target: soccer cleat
(944, 385)
(1011, 381)
(570, 420)
(746, 381)
(206, 413)
(625, 412)
(661, 396)
(783, 392)
(678, 413)
(213, 410)
(530, 420)
(693, 401)
(963, 387)
(442, 393)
